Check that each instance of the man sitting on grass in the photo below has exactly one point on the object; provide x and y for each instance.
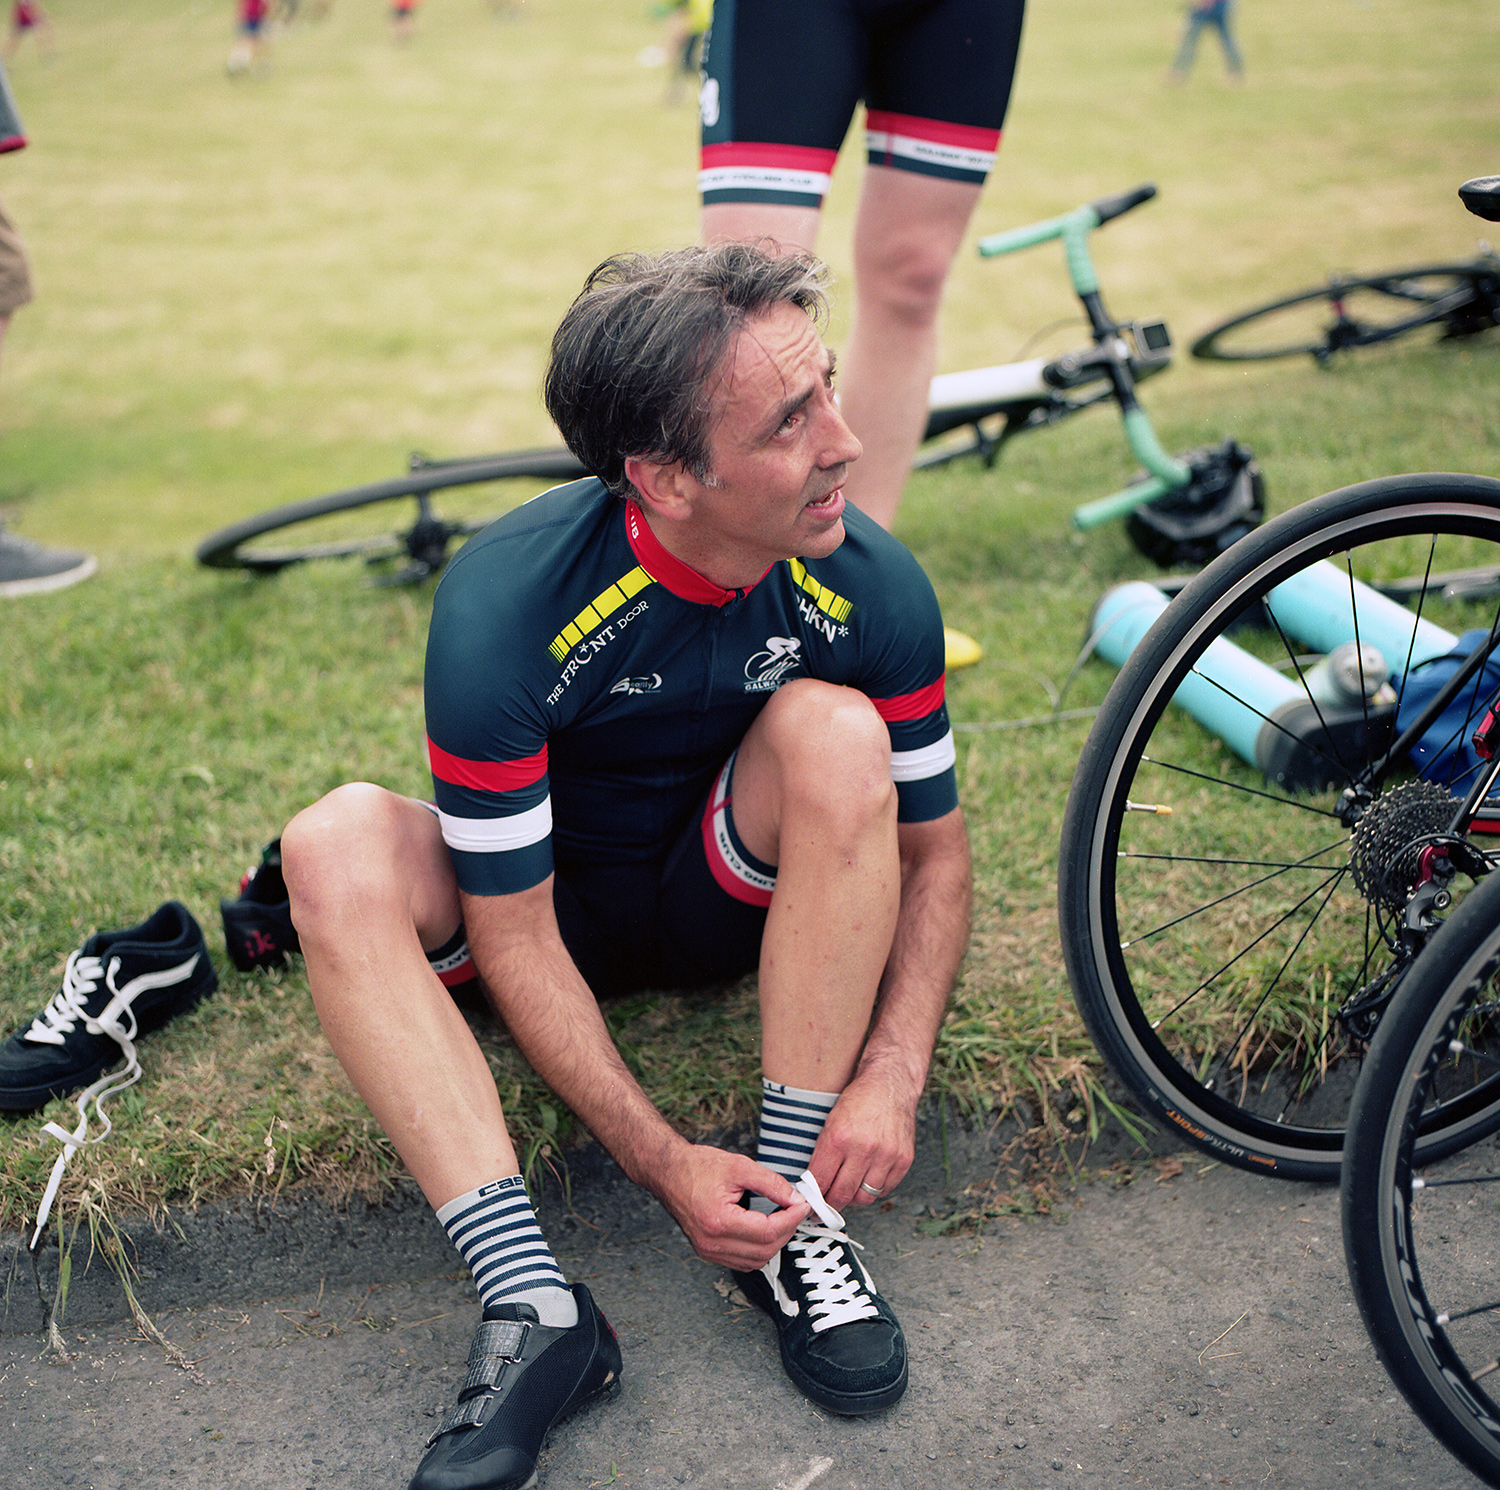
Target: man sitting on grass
(684, 720)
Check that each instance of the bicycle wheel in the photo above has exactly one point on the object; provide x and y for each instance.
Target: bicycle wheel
(1229, 940)
(1461, 299)
(1421, 1247)
(389, 521)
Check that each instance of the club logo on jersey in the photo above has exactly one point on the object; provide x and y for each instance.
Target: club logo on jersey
(632, 686)
(766, 671)
(586, 648)
(818, 621)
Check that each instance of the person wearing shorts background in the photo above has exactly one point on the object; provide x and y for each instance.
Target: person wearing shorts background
(781, 81)
(26, 567)
(254, 19)
(28, 18)
(685, 720)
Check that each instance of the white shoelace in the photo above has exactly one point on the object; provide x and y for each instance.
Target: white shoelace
(838, 1288)
(117, 1020)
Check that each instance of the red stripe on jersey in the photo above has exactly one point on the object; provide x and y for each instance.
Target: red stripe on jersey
(486, 776)
(777, 157)
(965, 136)
(682, 581)
(911, 705)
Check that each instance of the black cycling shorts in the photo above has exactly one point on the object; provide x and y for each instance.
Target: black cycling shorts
(693, 917)
(781, 79)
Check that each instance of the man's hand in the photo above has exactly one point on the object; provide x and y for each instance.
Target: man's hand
(868, 1140)
(703, 1195)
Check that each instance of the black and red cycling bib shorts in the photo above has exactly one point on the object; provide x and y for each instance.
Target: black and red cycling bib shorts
(781, 79)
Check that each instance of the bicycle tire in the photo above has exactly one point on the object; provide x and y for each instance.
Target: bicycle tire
(423, 547)
(1317, 322)
(1216, 938)
(1424, 1290)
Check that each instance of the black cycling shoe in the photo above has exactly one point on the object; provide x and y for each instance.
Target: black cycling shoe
(258, 930)
(119, 986)
(524, 1378)
(840, 1341)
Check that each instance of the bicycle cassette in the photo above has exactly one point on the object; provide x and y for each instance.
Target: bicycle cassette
(1385, 848)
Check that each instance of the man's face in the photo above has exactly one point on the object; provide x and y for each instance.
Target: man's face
(779, 449)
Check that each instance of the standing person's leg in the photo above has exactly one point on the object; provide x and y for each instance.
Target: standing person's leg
(1233, 59)
(1183, 63)
(753, 222)
(907, 232)
(15, 274)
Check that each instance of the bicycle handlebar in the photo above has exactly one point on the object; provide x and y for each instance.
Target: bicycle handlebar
(1085, 219)
(1073, 228)
(1123, 202)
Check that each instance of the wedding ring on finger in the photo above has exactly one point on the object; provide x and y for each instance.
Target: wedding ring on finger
(873, 1190)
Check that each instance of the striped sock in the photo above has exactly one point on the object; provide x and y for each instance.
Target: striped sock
(495, 1229)
(790, 1122)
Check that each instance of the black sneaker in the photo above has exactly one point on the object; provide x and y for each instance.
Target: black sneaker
(258, 930)
(130, 982)
(523, 1379)
(840, 1342)
(29, 568)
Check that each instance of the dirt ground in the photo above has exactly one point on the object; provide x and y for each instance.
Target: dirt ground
(1192, 1326)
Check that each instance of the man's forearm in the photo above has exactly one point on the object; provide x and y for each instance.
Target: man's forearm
(555, 1021)
(932, 931)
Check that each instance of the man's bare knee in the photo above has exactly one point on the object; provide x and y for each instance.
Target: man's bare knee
(831, 745)
(341, 853)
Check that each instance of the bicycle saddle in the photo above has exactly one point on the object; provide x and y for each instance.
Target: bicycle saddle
(1482, 197)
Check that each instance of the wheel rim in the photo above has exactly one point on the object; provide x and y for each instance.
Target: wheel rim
(1438, 1231)
(1346, 314)
(1232, 933)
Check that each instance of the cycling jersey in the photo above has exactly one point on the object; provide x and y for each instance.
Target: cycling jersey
(782, 78)
(584, 688)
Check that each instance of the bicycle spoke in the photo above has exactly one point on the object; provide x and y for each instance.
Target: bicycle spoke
(1229, 895)
(1237, 786)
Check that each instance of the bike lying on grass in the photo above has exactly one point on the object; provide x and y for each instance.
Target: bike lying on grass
(1182, 510)
(1452, 302)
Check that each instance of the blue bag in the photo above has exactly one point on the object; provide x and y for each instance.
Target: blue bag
(1445, 754)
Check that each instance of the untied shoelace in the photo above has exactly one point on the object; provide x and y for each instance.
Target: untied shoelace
(117, 1020)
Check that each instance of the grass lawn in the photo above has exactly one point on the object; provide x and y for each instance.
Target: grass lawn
(254, 289)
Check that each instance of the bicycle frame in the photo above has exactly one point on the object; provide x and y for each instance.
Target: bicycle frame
(1120, 350)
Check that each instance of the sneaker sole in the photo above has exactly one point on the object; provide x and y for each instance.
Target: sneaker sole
(45, 583)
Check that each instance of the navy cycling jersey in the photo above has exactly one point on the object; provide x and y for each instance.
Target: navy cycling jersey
(583, 687)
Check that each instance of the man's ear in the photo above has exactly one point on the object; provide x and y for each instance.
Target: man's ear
(665, 490)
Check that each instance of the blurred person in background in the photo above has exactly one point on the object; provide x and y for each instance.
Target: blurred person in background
(26, 568)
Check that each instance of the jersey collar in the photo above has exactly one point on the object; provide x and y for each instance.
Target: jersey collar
(666, 569)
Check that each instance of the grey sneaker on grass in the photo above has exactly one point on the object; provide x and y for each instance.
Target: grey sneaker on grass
(31, 568)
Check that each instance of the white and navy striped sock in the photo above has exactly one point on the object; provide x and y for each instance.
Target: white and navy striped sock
(790, 1122)
(495, 1229)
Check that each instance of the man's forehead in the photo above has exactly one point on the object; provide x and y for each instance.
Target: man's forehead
(769, 354)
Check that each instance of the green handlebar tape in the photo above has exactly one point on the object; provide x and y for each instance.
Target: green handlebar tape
(1072, 227)
(1083, 219)
(1148, 450)
(1122, 504)
(1080, 224)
